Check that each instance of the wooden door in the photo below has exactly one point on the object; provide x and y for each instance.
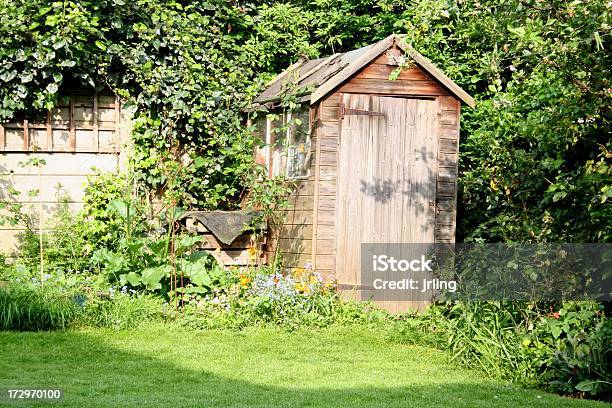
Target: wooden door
(386, 177)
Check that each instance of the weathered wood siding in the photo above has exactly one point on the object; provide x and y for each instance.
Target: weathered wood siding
(67, 170)
(327, 172)
(448, 152)
(293, 239)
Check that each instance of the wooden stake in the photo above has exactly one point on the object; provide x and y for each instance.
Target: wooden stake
(26, 136)
(40, 218)
(95, 122)
(49, 133)
(72, 124)
(2, 138)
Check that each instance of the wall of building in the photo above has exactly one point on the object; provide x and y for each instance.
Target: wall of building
(294, 239)
(85, 131)
(63, 173)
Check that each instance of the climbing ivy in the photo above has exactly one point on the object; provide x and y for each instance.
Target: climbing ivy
(535, 153)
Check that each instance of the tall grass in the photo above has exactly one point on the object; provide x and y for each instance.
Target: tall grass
(25, 308)
(123, 311)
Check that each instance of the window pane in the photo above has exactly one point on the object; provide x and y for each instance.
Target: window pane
(261, 151)
(299, 147)
(278, 134)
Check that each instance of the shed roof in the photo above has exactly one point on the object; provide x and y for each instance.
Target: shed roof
(316, 78)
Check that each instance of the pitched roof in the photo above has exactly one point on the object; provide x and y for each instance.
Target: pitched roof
(316, 78)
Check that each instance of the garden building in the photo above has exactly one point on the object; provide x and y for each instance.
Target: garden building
(373, 156)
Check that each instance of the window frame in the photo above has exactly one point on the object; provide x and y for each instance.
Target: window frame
(284, 116)
(49, 125)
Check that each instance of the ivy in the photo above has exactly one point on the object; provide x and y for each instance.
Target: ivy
(535, 153)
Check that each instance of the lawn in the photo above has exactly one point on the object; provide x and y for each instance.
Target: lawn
(172, 367)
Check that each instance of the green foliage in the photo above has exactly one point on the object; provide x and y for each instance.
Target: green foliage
(264, 296)
(581, 340)
(122, 311)
(105, 191)
(65, 246)
(564, 348)
(535, 161)
(27, 308)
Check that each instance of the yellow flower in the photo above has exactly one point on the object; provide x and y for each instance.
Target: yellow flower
(244, 280)
(252, 251)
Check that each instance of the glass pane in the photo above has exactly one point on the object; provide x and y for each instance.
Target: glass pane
(261, 151)
(106, 139)
(60, 116)
(85, 139)
(106, 115)
(299, 147)
(278, 134)
(14, 139)
(83, 116)
(38, 139)
(60, 137)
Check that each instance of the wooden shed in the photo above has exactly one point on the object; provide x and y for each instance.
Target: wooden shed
(373, 157)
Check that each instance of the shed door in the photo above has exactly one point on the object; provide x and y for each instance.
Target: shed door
(386, 176)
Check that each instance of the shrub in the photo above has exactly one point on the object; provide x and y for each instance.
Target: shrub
(27, 308)
(561, 347)
(264, 296)
(579, 358)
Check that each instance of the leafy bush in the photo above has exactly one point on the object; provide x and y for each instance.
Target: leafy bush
(27, 308)
(579, 337)
(564, 348)
(264, 296)
(106, 199)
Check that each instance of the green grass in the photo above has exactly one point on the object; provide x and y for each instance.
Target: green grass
(172, 367)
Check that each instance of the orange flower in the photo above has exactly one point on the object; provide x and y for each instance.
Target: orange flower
(244, 280)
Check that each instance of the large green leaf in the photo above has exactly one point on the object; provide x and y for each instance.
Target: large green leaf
(151, 277)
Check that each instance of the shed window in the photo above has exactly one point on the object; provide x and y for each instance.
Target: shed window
(82, 121)
(286, 148)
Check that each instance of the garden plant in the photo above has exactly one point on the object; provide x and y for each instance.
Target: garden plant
(120, 284)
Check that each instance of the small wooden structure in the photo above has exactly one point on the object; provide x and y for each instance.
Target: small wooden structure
(229, 236)
(374, 158)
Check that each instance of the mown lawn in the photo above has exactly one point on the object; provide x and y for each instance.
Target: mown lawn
(172, 367)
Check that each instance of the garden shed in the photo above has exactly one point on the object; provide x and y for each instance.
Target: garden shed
(373, 156)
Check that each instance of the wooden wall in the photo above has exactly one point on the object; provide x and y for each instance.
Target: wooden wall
(65, 169)
(294, 239)
(448, 152)
(325, 197)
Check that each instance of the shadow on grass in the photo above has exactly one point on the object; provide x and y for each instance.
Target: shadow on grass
(92, 372)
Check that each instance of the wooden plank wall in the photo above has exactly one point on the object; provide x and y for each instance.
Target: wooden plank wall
(82, 121)
(70, 148)
(327, 170)
(65, 169)
(448, 152)
(374, 79)
(294, 239)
